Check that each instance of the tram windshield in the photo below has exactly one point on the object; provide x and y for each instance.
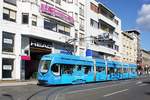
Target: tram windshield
(44, 65)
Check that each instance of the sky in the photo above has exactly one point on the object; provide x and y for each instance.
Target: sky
(134, 14)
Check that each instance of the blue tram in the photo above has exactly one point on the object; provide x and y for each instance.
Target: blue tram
(56, 69)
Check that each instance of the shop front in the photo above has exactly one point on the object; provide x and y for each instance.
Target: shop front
(32, 55)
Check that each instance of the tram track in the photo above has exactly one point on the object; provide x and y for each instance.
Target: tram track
(57, 92)
(39, 93)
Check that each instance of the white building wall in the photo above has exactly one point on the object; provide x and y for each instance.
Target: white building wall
(17, 64)
(1, 10)
(28, 30)
(91, 31)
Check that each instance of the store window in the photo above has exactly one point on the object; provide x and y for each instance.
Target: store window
(7, 67)
(9, 14)
(25, 18)
(8, 42)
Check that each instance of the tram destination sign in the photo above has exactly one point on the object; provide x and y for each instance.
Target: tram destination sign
(40, 44)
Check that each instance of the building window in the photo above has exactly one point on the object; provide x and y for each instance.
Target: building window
(8, 42)
(116, 21)
(54, 26)
(63, 29)
(70, 1)
(58, 1)
(76, 2)
(50, 25)
(7, 67)
(13, 2)
(81, 39)
(25, 18)
(94, 7)
(81, 9)
(116, 34)
(9, 14)
(70, 13)
(76, 34)
(94, 23)
(64, 0)
(76, 17)
(34, 20)
(116, 48)
(81, 24)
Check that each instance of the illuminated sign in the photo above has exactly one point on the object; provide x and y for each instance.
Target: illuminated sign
(45, 8)
(40, 44)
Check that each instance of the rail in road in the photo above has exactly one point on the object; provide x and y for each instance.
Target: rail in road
(112, 90)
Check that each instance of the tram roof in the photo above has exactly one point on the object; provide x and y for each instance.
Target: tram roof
(65, 56)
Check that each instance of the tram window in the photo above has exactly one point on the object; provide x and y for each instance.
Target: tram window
(133, 70)
(119, 70)
(115, 70)
(125, 70)
(44, 64)
(67, 69)
(100, 69)
(110, 70)
(129, 69)
(55, 69)
(78, 67)
(87, 69)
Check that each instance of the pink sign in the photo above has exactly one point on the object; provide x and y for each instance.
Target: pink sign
(57, 13)
(25, 58)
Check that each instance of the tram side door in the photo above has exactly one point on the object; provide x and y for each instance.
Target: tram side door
(78, 74)
(66, 73)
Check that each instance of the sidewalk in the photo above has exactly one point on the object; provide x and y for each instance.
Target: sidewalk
(17, 83)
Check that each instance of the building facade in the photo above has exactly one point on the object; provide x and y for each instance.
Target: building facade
(145, 61)
(32, 28)
(130, 48)
(103, 29)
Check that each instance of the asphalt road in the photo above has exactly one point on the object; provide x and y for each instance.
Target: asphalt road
(133, 89)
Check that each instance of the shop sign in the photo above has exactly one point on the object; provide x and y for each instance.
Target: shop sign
(40, 44)
(45, 8)
(7, 67)
(25, 58)
(8, 41)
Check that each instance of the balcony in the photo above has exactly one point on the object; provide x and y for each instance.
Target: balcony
(103, 49)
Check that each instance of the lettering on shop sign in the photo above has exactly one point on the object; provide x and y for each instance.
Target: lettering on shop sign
(40, 44)
(45, 8)
(8, 41)
(7, 67)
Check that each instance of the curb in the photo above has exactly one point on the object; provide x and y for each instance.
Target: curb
(18, 83)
